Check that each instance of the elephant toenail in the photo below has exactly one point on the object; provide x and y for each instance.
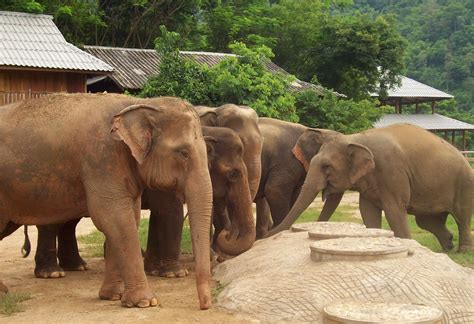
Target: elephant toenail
(154, 302)
(143, 303)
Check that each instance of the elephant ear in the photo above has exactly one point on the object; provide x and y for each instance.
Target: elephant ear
(362, 161)
(207, 115)
(309, 143)
(210, 146)
(134, 126)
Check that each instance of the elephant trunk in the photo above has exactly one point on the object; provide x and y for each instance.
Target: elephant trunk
(198, 194)
(330, 205)
(241, 235)
(314, 182)
(254, 167)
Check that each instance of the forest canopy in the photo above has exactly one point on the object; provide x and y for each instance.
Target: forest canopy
(354, 47)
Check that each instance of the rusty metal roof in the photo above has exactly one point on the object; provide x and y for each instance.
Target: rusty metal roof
(34, 41)
(132, 67)
(426, 121)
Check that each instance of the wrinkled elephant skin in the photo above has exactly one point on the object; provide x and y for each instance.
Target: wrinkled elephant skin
(67, 156)
(398, 169)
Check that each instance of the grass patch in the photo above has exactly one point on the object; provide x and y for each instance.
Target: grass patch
(11, 303)
(94, 241)
(425, 238)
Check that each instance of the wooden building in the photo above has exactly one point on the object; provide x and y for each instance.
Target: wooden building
(35, 59)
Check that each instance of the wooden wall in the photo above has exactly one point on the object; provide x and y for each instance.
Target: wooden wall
(20, 84)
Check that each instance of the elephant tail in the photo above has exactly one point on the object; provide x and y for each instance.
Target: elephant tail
(26, 248)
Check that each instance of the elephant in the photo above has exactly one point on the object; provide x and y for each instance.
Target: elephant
(283, 173)
(66, 156)
(230, 189)
(400, 169)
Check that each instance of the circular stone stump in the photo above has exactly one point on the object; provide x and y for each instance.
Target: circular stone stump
(327, 226)
(358, 312)
(358, 249)
(329, 232)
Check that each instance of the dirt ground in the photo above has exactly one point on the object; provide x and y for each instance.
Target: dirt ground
(74, 298)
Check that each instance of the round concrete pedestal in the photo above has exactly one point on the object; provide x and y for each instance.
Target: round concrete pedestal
(325, 226)
(357, 312)
(358, 249)
(324, 233)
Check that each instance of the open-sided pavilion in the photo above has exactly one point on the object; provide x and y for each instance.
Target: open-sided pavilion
(412, 92)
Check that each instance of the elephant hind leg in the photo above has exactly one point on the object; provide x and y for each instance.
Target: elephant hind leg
(46, 263)
(463, 216)
(68, 252)
(436, 224)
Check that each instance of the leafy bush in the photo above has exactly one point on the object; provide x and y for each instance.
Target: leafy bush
(343, 115)
(240, 79)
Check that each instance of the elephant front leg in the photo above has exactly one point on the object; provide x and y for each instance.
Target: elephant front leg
(124, 270)
(371, 214)
(46, 264)
(396, 215)
(264, 221)
(164, 235)
(68, 252)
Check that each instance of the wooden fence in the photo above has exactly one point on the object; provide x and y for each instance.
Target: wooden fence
(469, 155)
(11, 97)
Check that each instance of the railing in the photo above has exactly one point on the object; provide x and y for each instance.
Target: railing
(469, 155)
(7, 97)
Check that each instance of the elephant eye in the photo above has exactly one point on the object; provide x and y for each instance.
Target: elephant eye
(183, 153)
(234, 175)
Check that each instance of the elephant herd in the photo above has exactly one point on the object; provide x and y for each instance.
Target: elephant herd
(63, 157)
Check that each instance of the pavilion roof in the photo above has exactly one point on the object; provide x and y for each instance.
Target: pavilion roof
(426, 121)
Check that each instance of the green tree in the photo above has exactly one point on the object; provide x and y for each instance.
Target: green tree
(344, 115)
(240, 79)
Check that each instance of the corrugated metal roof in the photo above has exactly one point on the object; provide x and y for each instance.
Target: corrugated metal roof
(411, 90)
(31, 40)
(132, 67)
(426, 121)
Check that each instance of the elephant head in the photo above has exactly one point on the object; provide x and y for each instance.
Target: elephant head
(171, 155)
(230, 188)
(336, 166)
(244, 121)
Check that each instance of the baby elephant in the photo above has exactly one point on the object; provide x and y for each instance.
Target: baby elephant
(399, 169)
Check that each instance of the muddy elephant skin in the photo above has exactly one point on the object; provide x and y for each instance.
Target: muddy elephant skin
(67, 156)
(399, 169)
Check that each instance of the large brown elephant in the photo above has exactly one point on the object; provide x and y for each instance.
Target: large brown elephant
(67, 156)
(283, 173)
(399, 169)
(230, 190)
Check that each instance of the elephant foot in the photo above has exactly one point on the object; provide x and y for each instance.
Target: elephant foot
(139, 297)
(167, 269)
(111, 291)
(49, 272)
(76, 264)
(464, 248)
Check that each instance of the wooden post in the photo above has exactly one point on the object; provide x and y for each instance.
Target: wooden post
(446, 137)
(452, 138)
(463, 139)
(433, 107)
(417, 109)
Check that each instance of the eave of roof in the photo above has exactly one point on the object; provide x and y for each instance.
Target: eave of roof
(132, 66)
(412, 91)
(426, 121)
(34, 41)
